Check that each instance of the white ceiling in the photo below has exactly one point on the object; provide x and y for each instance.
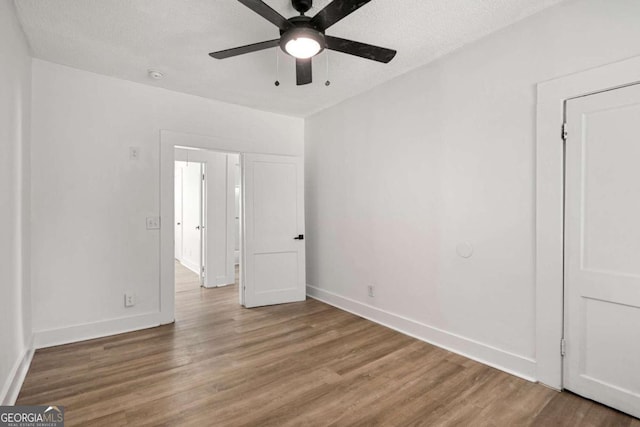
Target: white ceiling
(125, 38)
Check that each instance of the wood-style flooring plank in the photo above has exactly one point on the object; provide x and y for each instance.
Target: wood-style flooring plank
(289, 365)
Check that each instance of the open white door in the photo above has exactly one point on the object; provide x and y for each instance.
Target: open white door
(274, 247)
(178, 210)
(192, 217)
(219, 202)
(602, 248)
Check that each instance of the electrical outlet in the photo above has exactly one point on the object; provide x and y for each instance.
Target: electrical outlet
(129, 299)
(371, 291)
(134, 153)
(153, 223)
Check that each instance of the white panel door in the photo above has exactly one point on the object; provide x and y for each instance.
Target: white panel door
(178, 211)
(602, 248)
(219, 269)
(274, 249)
(192, 216)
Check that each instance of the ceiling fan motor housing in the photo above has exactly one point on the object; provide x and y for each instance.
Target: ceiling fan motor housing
(302, 5)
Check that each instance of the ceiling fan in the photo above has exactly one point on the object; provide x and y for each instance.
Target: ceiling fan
(304, 37)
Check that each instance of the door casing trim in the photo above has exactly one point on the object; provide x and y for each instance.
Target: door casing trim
(552, 96)
(169, 140)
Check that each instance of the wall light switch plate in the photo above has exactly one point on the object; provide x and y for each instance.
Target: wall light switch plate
(153, 223)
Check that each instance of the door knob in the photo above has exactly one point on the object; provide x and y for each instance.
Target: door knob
(197, 227)
(300, 237)
(178, 223)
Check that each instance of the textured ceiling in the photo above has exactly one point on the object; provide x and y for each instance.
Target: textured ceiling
(125, 38)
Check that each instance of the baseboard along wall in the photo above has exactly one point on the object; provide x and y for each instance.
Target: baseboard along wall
(514, 364)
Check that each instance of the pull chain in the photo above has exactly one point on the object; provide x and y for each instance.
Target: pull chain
(328, 82)
(277, 83)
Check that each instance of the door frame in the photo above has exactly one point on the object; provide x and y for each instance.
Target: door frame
(169, 140)
(550, 160)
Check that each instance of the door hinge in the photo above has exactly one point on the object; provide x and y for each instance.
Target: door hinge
(203, 270)
(203, 177)
(564, 131)
(563, 347)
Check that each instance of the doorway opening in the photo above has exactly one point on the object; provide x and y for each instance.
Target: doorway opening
(207, 219)
(271, 261)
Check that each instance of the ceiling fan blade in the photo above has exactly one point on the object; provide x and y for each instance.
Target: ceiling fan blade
(335, 11)
(228, 53)
(363, 50)
(264, 10)
(303, 71)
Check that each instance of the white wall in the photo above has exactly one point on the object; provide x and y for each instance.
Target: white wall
(399, 176)
(15, 100)
(90, 200)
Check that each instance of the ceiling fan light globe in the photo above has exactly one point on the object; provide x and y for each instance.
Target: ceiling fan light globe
(303, 47)
(302, 42)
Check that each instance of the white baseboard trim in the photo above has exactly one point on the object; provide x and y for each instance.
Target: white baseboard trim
(18, 373)
(89, 331)
(226, 284)
(221, 281)
(191, 266)
(217, 286)
(514, 364)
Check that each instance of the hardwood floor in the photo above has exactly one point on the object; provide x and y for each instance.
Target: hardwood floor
(187, 280)
(295, 364)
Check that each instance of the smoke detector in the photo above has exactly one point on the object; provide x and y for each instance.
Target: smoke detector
(155, 75)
